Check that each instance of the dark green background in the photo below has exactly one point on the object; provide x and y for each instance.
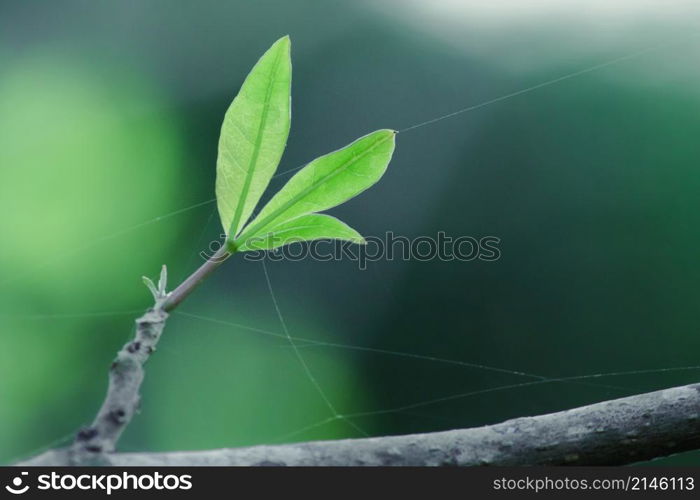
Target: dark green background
(109, 118)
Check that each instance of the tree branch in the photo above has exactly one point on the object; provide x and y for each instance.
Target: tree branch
(126, 372)
(616, 432)
(122, 400)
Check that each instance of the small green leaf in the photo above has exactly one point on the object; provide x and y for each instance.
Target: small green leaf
(305, 228)
(253, 136)
(325, 182)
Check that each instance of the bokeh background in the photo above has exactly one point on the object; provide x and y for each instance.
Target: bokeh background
(109, 120)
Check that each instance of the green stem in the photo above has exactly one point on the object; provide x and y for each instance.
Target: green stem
(187, 287)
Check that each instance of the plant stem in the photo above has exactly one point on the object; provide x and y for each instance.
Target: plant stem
(187, 287)
(126, 373)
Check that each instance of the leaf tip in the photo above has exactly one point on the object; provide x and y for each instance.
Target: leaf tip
(388, 132)
(285, 40)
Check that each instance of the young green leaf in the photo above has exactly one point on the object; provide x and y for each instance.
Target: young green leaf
(325, 182)
(305, 228)
(253, 137)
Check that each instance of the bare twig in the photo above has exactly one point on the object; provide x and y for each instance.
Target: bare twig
(126, 372)
(616, 432)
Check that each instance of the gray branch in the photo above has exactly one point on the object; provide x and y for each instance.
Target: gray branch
(93, 444)
(616, 432)
(125, 377)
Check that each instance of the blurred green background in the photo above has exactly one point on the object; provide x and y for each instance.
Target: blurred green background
(109, 120)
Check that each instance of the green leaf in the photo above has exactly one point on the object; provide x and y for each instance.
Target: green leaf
(325, 182)
(305, 228)
(253, 136)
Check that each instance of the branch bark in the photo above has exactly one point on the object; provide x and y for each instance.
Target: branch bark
(616, 432)
(122, 401)
(126, 372)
